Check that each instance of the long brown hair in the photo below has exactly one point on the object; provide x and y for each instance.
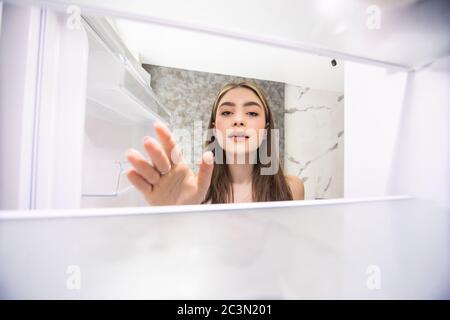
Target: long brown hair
(264, 187)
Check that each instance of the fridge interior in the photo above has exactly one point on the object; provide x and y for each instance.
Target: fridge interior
(120, 110)
(74, 100)
(281, 251)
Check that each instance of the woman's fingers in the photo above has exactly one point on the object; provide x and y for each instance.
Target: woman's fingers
(139, 182)
(205, 171)
(168, 143)
(142, 166)
(158, 156)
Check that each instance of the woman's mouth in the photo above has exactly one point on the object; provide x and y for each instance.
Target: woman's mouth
(238, 137)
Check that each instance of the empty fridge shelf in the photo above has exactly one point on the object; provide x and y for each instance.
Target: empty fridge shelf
(115, 79)
(121, 184)
(127, 109)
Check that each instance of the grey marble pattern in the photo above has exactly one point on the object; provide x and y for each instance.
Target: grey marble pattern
(314, 130)
(190, 95)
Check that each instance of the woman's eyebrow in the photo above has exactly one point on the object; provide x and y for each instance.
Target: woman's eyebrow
(247, 104)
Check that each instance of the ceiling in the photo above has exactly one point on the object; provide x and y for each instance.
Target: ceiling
(410, 33)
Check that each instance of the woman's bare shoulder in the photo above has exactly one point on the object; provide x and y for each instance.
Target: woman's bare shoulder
(297, 187)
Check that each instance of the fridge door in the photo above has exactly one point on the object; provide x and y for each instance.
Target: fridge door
(43, 70)
(82, 100)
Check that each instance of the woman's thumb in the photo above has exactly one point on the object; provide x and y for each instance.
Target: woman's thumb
(205, 171)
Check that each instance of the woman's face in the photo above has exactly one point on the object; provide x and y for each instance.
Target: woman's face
(240, 121)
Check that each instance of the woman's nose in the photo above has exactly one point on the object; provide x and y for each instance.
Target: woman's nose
(238, 120)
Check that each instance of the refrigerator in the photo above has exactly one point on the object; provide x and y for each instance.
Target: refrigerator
(93, 102)
(74, 97)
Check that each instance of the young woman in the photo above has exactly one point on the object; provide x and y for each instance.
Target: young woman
(235, 169)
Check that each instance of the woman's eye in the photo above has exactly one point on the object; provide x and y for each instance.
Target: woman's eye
(252, 114)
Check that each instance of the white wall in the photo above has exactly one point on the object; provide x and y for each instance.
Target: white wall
(190, 50)
(397, 129)
(18, 67)
(421, 165)
(373, 102)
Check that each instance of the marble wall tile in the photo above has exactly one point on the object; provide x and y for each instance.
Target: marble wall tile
(314, 149)
(189, 95)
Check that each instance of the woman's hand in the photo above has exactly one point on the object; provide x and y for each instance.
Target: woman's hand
(168, 181)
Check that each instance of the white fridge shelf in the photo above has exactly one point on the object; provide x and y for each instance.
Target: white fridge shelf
(115, 82)
(121, 184)
(118, 105)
